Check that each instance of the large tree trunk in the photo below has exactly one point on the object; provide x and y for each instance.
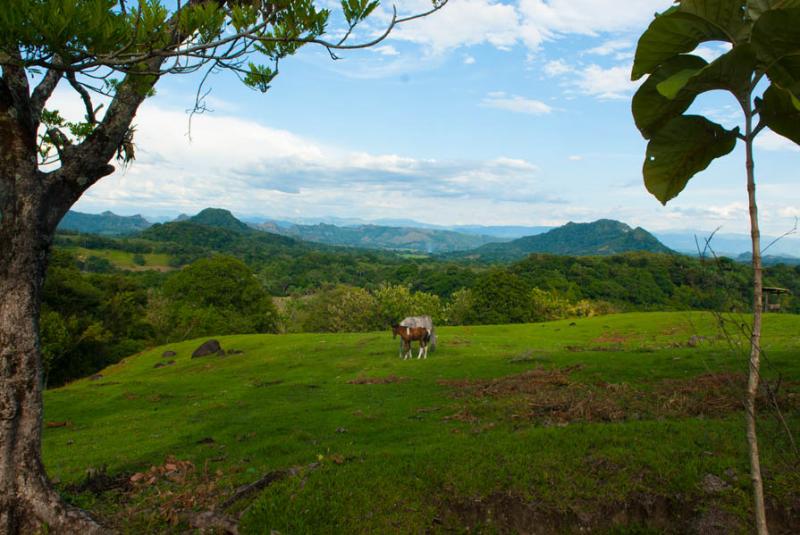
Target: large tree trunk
(27, 222)
(27, 500)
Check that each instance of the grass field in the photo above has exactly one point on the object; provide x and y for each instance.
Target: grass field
(625, 424)
(124, 259)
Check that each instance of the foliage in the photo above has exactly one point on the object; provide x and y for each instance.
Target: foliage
(765, 41)
(219, 295)
(341, 309)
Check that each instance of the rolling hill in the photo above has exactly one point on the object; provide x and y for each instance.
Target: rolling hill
(600, 238)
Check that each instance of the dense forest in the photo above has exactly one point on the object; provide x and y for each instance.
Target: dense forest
(106, 298)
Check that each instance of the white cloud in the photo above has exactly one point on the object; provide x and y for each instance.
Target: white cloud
(576, 158)
(557, 68)
(516, 104)
(249, 168)
(769, 140)
(469, 60)
(530, 22)
(613, 46)
(606, 83)
(544, 20)
(461, 23)
(386, 50)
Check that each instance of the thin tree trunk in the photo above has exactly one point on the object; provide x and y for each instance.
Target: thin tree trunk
(27, 500)
(755, 340)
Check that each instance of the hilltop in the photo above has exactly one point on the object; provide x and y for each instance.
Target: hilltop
(600, 238)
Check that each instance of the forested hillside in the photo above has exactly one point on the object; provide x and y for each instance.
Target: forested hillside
(603, 237)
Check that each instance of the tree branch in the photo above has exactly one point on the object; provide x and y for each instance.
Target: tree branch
(43, 91)
(85, 97)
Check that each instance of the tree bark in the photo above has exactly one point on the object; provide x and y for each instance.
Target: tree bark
(27, 223)
(27, 500)
(755, 339)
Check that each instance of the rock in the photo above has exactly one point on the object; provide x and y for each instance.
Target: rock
(96, 377)
(713, 484)
(234, 352)
(168, 354)
(164, 364)
(211, 347)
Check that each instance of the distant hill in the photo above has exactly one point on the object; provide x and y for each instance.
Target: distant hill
(601, 238)
(105, 224)
(770, 260)
(219, 218)
(421, 240)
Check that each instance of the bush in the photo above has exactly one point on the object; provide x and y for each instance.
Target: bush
(342, 309)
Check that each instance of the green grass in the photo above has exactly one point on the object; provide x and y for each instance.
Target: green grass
(124, 259)
(391, 461)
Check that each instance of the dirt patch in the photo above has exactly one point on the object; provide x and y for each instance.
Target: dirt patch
(510, 513)
(98, 481)
(612, 338)
(552, 397)
(389, 379)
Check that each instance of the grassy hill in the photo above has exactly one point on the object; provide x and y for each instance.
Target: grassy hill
(603, 237)
(627, 423)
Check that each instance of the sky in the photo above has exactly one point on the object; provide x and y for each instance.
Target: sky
(487, 112)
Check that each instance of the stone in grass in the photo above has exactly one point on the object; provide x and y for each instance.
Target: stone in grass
(211, 347)
(168, 354)
(164, 364)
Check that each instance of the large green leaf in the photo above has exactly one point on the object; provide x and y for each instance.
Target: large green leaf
(776, 39)
(651, 109)
(680, 150)
(733, 71)
(756, 8)
(670, 34)
(727, 15)
(780, 111)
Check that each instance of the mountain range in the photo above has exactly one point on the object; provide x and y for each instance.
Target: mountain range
(471, 241)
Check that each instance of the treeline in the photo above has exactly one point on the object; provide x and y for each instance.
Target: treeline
(91, 320)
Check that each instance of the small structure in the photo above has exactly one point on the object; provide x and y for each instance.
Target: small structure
(773, 305)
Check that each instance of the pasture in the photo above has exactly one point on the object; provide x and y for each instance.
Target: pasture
(626, 424)
(124, 259)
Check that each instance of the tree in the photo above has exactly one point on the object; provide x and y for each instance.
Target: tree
(219, 295)
(765, 51)
(120, 49)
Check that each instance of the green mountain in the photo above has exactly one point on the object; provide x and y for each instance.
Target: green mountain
(600, 238)
(421, 240)
(219, 218)
(105, 224)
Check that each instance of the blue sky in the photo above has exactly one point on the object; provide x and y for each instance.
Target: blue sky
(485, 113)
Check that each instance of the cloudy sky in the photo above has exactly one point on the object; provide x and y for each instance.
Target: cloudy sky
(488, 112)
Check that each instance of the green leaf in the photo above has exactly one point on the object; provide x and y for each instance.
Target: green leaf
(684, 147)
(651, 109)
(728, 15)
(756, 8)
(670, 34)
(780, 111)
(776, 40)
(733, 71)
